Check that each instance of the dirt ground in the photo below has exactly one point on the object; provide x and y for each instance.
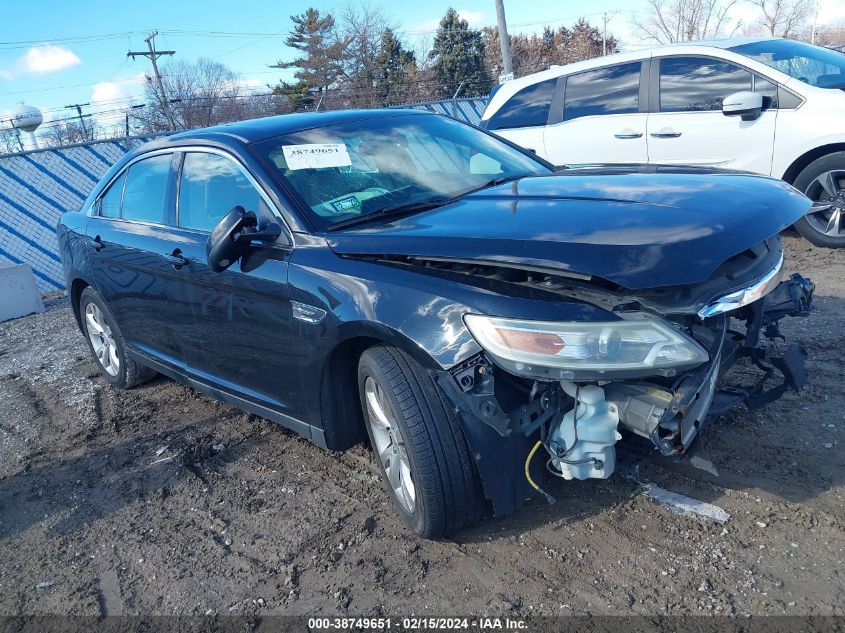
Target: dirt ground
(163, 501)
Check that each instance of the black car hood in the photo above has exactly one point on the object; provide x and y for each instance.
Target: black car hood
(639, 228)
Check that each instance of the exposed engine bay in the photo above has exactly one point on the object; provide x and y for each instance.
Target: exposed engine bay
(571, 424)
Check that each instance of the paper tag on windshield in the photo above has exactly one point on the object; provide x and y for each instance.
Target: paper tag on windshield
(316, 156)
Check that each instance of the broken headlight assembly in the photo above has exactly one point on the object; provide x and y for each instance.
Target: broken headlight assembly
(626, 348)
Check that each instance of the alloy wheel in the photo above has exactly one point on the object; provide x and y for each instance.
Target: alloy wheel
(827, 215)
(102, 339)
(389, 445)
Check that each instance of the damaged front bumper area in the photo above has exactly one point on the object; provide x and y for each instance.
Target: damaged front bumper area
(505, 417)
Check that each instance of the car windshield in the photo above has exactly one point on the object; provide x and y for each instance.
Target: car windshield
(814, 65)
(389, 164)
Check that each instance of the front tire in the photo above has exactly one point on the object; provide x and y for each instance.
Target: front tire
(823, 181)
(421, 451)
(107, 344)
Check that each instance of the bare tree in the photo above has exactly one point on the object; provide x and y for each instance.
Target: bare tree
(200, 93)
(784, 18)
(686, 20)
(361, 27)
(9, 140)
(62, 132)
(532, 53)
(831, 36)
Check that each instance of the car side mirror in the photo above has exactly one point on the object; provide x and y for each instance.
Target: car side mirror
(747, 105)
(231, 238)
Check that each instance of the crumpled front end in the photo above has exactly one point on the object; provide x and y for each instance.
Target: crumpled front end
(522, 420)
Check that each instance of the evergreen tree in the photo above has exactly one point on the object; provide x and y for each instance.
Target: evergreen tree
(394, 66)
(323, 53)
(458, 56)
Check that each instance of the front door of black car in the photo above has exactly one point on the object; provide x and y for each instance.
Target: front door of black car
(243, 325)
(130, 255)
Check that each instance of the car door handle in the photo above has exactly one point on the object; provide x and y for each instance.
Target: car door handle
(624, 134)
(666, 133)
(97, 243)
(177, 259)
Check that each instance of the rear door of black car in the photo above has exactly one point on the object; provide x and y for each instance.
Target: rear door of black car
(130, 254)
(245, 336)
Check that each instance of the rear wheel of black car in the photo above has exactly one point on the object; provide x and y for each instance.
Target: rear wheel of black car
(823, 181)
(418, 444)
(107, 344)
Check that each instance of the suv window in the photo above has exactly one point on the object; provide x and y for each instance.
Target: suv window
(211, 186)
(769, 91)
(698, 83)
(145, 194)
(609, 90)
(110, 201)
(527, 108)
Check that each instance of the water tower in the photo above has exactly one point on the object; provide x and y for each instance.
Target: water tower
(28, 119)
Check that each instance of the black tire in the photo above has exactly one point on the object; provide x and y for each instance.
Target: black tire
(805, 184)
(448, 494)
(129, 373)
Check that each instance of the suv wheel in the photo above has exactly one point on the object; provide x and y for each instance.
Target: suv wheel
(823, 181)
(107, 344)
(418, 444)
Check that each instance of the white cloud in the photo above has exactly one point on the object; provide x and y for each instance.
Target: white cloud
(475, 19)
(47, 58)
(114, 95)
(107, 91)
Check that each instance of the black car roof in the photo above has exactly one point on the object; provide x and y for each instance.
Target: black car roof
(269, 127)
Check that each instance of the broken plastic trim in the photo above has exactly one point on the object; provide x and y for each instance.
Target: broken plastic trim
(744, 296)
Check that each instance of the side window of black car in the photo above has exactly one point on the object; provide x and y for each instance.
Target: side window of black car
(145, 194)
(110, 201)
(609, 90)
(210, 187)
(527, 108)
(690, 84)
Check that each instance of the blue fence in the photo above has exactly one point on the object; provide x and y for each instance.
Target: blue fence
(37, 187)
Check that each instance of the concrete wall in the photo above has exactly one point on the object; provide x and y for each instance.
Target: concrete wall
(37, 187)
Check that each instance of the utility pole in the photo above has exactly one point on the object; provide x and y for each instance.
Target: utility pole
(815, 21)
(153, 55)
(78, 107)
(134, 107)
(504, 41)
(605, 17)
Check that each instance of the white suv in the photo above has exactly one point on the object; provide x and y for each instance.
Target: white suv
(771, 106)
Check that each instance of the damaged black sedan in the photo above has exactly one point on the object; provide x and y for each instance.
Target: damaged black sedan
(401, 277)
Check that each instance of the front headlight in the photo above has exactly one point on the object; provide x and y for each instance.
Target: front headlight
(586, 350)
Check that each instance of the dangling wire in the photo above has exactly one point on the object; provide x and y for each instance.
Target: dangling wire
(531, 481)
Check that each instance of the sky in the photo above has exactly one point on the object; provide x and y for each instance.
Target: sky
(64, 53)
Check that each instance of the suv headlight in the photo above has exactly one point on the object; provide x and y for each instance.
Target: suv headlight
(628, 347)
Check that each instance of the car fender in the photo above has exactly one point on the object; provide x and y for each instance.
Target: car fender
(788, 164)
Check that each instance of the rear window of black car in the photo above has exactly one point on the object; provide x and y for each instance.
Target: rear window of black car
(527, 108)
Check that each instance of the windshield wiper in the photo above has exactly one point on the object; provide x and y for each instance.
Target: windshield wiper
(493, 182)
(404, 208)
(391, 210)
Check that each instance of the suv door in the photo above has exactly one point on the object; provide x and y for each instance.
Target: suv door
(688, 126)
(244, 331)
(131, 261)
(599, 116)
